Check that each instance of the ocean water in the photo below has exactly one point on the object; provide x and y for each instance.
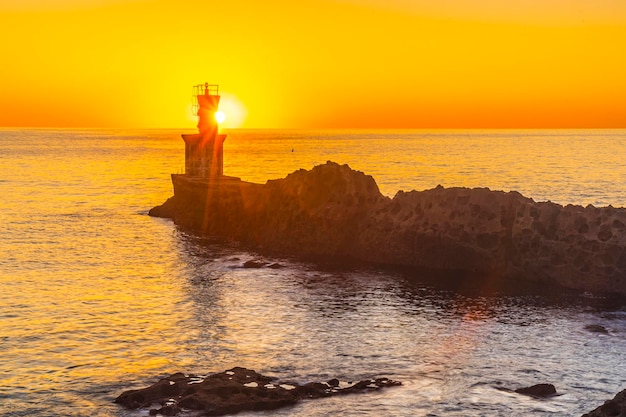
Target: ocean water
(96, 297)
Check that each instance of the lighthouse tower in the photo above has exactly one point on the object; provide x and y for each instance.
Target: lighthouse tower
(204, 151)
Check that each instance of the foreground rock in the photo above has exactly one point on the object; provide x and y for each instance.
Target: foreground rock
(232, 391)
(334, 211)
(612, 408)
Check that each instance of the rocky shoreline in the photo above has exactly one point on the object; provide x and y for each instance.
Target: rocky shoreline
(332, 211)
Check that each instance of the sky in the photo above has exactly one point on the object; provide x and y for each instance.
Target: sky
(315, 63)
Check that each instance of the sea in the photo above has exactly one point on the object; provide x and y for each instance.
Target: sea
(96, 297)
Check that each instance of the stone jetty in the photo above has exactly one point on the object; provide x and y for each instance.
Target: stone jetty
(333, 211)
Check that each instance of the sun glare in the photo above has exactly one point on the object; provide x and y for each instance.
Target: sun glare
(220, 116)
(236, 111)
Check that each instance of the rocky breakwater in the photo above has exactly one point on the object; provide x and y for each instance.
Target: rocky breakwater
(334, 211)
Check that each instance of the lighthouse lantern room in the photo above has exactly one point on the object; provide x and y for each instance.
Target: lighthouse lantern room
(204, 151)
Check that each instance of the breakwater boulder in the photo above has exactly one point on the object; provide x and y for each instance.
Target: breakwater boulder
(334, 211)
(235, 390)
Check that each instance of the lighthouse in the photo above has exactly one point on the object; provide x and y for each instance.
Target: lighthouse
(204, 151)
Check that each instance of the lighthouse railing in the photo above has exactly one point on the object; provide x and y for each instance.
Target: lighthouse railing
(205, 89)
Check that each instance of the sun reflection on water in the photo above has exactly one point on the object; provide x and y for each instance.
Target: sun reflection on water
(97, 297)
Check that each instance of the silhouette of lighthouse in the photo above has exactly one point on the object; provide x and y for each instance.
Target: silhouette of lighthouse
(204, 151)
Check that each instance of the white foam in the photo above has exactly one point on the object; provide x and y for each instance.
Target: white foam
(287, 387)
(196, 381)
(251, 385)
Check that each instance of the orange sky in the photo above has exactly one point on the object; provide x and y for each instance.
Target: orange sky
(315, 63)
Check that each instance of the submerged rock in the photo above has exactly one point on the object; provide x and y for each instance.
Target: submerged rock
(596, 328)
(539, 390)
(332, 211)
(232, 391)
(254, 264)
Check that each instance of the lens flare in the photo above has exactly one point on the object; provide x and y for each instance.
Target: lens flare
(235, 109)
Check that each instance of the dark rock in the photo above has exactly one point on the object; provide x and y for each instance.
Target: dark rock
(539, 390)
(254, 264)
(615, 407)
(333, 382)
(167, 410)
(166, 210)
(596, 328)
(314, 390)
(168, 387)
(232, 391)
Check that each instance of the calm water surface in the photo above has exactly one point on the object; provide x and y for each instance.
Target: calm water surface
(96, 297)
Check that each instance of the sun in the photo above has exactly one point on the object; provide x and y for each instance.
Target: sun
(234, 111)
(220, 116)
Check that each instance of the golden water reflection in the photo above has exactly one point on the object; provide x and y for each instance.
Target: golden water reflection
(96, 297)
